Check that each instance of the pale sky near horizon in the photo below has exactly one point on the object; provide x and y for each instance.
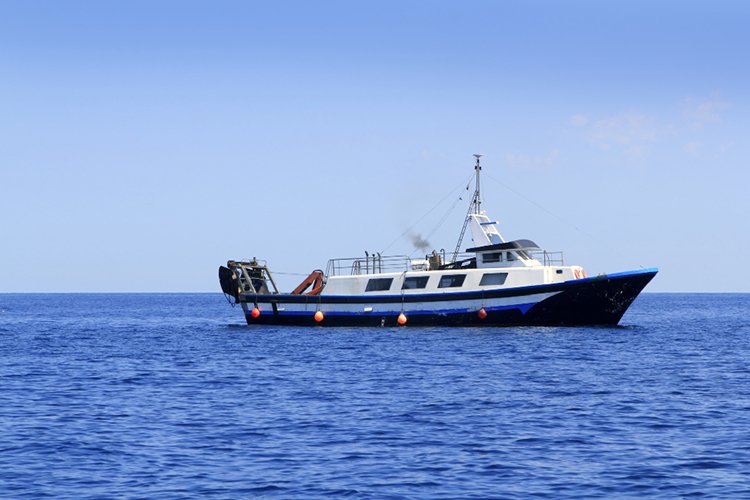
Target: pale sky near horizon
(142, 144)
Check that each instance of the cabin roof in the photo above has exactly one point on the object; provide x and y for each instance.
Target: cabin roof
(508, 245)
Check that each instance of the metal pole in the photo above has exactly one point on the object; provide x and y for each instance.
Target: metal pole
(477, 193)
(476, 205)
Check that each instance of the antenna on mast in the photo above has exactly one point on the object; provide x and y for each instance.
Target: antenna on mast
(477, 201)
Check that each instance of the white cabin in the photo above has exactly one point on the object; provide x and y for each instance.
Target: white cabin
(492, 264)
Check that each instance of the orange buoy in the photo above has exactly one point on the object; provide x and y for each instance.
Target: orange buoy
(401, 319)
(255, 312)
(482, 313)
(319, 316)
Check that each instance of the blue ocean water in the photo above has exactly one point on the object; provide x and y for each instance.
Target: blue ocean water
(172, 395)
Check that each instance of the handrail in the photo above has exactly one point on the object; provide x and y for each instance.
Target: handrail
(377, 264)
(370, 264)
(548, 258)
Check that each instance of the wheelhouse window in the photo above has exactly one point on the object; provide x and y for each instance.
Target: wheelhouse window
(493, 279)
(510, 256)
(414, 282)
(489, 258)
(379, 284)
(452, 281)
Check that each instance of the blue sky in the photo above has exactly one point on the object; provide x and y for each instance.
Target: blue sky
(142, 144)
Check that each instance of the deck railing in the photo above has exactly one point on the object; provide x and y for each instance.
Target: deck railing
(371, 264)
(544, 257)
(375, 264)
(548, 258)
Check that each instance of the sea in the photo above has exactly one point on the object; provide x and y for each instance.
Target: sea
(174, 396)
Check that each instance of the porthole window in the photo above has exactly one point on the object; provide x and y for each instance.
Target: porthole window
(379, 284)
(452, 281)
(493, 257)
(414, 282)
(493, 279)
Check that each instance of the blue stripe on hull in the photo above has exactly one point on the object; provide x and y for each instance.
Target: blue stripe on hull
(521, 307)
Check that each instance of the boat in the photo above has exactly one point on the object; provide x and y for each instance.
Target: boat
(493, 283)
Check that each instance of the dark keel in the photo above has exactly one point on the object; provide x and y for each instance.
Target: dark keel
(600, 300)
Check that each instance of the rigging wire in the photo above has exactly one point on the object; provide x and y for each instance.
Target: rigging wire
(444, 218)
(291, 274)
(463, 232)
(539, 206)
(441, 221)
(597, 240)
(427, 213)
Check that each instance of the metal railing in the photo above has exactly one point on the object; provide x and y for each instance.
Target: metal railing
(253, 276)
(548, 258)
(370, 264)
(376, 263)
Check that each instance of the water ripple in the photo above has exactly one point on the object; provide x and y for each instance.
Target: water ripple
(171, 396)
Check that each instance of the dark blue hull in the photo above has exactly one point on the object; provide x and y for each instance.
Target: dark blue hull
(600, 300)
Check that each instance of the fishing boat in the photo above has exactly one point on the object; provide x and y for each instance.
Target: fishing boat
(493, 283)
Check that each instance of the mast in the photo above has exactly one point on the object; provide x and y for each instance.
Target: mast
(475, 207)
(477, 202)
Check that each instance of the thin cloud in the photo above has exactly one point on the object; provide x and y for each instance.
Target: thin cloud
(627, 132)
(692, 148)
(703, 111)
(632, 133)
(532, 162)
(579, 120)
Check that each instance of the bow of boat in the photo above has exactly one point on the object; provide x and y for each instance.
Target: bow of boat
(599, 300)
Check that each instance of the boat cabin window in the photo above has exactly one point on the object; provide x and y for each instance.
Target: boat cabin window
(452, 280)
(413, 282)
(488, 258)
(524, 255)
(493, 279)
(379, 284)
(510, 256)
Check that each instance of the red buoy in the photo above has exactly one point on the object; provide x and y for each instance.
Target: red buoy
(319, 316)
(482, 313)
(255, 312)
(401, 319)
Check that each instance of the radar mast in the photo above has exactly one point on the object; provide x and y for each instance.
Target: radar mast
(477, 201)
(474, 208)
